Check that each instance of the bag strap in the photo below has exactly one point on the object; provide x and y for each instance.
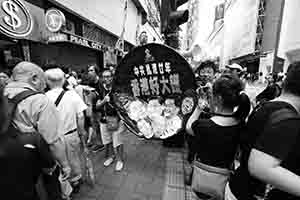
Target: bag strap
(18, 98)
(283, 114)
(60, 96)
(23, 95)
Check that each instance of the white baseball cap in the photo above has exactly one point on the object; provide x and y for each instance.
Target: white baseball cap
(235, 66)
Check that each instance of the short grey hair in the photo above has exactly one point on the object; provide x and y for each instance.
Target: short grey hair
(55, 77)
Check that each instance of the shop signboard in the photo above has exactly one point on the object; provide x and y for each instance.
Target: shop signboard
(54, 20)
(148, 90)
(66, 37)
(85, 42)
(16, 20)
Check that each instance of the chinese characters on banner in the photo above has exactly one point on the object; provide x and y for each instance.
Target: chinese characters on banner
(155, 79)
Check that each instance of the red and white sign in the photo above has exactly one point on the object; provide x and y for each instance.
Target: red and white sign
(55, 20)
(16, 20)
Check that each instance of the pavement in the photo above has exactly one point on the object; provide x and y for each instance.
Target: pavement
(151, 172)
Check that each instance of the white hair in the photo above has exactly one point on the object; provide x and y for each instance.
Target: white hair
(55, 77)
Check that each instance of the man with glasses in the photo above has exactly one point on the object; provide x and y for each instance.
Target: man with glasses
(110, 125)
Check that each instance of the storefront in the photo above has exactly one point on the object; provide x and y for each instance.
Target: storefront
(28, 32)
(64, 46)
(20, 23)
(69, 51)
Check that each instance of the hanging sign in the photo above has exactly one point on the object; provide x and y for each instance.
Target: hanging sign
(55, 20)
(148, 89)
(154, 70)
(16, 20)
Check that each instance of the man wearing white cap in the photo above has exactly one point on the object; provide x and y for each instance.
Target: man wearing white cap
(70, 107)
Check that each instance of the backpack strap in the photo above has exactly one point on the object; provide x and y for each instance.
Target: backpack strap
(17, 99)
(23, 95)
(282, 114)
(60, 96)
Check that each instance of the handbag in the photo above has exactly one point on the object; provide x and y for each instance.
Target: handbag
(209, 180)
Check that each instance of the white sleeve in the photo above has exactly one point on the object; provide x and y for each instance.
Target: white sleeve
(79, 104)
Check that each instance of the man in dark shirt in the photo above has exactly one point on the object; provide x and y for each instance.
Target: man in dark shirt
(270, 147)
(111, 138)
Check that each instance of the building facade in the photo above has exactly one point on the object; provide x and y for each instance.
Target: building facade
(67, 33)
(289, 44)
(241, 31)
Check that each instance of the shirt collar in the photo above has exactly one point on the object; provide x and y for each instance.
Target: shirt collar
(18, 84)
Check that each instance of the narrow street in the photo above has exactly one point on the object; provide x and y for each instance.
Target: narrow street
(151, 172)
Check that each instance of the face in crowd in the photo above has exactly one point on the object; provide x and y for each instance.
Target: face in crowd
(107, 77)
(92, 74)
(4, 78)
(143, 38)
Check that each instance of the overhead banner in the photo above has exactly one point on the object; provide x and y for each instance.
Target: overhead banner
(240, 23)
(148, 90)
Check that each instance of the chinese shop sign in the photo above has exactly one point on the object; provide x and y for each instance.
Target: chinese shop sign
(154, 70)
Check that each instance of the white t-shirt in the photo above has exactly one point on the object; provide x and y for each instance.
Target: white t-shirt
(69, 107)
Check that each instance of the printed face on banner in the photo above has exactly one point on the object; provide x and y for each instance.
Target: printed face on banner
(155, 79)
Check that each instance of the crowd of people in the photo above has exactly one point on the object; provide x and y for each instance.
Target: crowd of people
(239, 148)
(243, 148)
(51, 120)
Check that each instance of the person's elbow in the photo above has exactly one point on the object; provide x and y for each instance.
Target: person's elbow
(260, 164)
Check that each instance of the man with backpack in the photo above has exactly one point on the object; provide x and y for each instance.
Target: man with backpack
(270, 146)
(37, 114)
(23, 156)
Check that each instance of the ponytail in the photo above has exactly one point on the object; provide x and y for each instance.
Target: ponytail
(244, 106)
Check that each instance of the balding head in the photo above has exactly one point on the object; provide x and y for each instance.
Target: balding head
(29, 73)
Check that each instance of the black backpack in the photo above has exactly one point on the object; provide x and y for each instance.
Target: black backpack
(50, 183)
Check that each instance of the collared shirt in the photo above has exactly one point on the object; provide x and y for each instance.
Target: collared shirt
(69, 107)
(35, 113)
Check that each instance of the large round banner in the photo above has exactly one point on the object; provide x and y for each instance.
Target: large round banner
(148, 90)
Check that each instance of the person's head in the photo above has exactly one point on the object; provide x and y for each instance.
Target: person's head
(143, 38)
(206, 72)
(291, 83)
(55, 78)
(92, 72)
(235, 69)
(4, 77)
(107, 77)
(228, 94)
(270, 78)
(30, 73)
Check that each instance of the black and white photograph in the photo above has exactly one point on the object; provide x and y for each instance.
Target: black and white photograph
(149, 100)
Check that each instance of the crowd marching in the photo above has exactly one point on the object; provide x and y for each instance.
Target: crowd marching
(241, 146)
